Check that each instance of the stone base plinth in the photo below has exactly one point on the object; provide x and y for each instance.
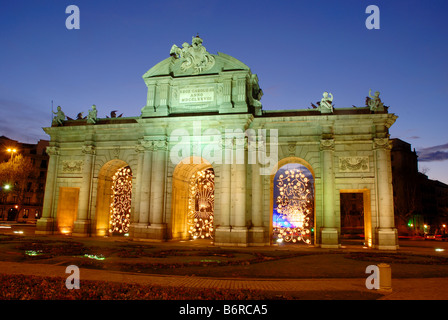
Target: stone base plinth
(81, 228)
(45, 226)
(231, 236)
(330, 238)
(154, 232)
(386, 239)
(258, 236)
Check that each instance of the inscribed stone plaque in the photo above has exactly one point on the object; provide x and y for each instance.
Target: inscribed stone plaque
(196, 94)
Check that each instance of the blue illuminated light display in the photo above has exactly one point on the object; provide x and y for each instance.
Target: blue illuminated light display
(294, 204)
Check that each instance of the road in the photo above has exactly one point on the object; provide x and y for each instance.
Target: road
(418, 245)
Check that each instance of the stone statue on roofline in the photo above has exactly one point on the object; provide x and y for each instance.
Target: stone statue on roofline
(325, 105)
(92, 116)
(374, 102)
(59, 117)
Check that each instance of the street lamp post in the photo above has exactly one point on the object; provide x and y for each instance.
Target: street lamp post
(12, 151)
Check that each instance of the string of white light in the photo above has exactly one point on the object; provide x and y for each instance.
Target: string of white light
(120, 207)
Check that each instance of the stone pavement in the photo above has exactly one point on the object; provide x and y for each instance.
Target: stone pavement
(402, 289)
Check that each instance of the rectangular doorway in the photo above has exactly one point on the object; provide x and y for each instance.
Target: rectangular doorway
(355, 217)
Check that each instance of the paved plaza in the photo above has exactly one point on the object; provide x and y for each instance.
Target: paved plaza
(419, 268)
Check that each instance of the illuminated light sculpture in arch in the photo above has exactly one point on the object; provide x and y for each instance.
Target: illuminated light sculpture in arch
(293, 208)
(201, 204)
(120, 207)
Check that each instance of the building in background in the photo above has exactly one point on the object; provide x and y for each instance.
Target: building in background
(31, 207)
(420, 204)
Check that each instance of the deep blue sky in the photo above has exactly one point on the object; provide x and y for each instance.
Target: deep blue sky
(298, 49)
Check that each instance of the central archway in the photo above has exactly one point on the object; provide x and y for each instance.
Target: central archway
(192, 198)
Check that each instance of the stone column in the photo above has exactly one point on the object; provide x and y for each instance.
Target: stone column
(222, 231)
(257, 182)
(138, 183)
(45, 225)
(145, 188)
(142, 190)
(386, 237)
(257, 232)
(239, 233)
(82, 224)
(141, 223)
(329, 230)
(257, 196)
(157, 202)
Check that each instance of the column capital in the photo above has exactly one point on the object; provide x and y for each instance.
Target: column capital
(52, 150)
(381, 143)
(226, 142)
(241, 142)
(154, 143)
(327, 144)
(144, 145)
(88, 149)
(160, 145)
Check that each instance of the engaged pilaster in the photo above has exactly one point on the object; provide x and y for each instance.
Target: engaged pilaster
(329, 231)
(141, 216)
(81, 226)
(157, 224)
(387, 238)
(45, 225)
(257, 233)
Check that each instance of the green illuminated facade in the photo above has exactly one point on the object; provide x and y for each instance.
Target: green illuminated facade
(203, 111)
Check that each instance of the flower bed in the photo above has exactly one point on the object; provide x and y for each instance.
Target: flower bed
(21, 287)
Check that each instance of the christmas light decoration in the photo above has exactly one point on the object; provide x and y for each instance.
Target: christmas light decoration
(120, 207)
(200, 204)
(293, 208)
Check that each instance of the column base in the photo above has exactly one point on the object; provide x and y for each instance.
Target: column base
(386, 239)
(45, 226)
(258, 236)
(330, 238)
(81, 228)
(231, 236)
(153, 232)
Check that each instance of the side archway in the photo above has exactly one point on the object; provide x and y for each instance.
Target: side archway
(292, 202)
(110, 172)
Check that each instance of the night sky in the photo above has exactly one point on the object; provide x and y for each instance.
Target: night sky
(298, 49)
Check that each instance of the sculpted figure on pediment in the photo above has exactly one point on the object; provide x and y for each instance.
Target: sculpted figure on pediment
(194, 56)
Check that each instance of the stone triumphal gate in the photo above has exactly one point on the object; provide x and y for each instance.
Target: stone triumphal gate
(204, 160)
